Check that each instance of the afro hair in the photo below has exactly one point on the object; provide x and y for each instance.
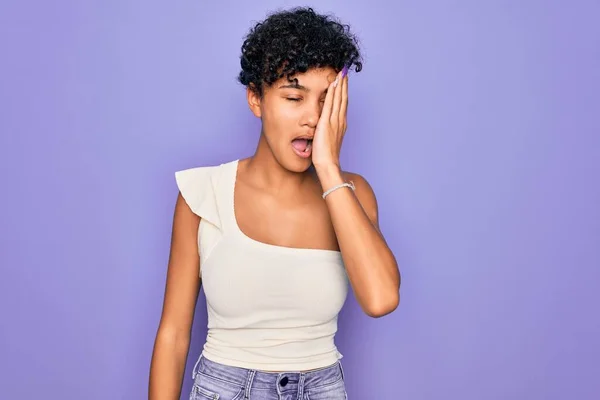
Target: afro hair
(294, 41)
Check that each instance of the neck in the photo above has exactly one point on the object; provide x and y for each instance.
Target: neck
(264, 171)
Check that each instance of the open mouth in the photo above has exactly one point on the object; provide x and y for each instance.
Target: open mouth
(302, 146)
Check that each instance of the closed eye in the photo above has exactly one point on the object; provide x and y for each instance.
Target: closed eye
(293, 99)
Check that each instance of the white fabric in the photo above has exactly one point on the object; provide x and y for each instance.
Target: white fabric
(269, 307)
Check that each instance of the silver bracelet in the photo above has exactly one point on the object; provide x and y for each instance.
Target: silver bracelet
(341, 185)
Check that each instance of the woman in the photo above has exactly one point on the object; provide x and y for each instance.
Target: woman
(276, 238)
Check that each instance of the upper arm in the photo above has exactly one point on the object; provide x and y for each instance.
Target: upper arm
(366, 196)
(183, 277)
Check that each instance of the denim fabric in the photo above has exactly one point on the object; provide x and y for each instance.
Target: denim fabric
(215, 381)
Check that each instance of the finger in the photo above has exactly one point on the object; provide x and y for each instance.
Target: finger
(344, 105)
(327, 106)
(337, 100)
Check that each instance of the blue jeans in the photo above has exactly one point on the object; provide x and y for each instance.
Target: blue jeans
(215, 381)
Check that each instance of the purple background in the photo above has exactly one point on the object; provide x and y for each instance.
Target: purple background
(476, 122)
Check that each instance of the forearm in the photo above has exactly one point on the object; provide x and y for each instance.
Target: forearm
(370, 264)
(168, 366)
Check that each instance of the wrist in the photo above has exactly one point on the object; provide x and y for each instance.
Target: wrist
(329, 175)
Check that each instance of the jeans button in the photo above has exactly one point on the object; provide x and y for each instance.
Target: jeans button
(283, 381)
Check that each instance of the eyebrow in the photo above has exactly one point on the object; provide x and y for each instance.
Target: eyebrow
(297, 86)
(294, 86)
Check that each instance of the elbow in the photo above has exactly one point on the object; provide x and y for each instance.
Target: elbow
(384, 298)
(174, 337)
(382, 307)
(384, 302)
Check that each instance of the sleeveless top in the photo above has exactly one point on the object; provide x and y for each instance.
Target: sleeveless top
(270, 307)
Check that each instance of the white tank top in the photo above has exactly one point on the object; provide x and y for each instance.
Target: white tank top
(269, 307)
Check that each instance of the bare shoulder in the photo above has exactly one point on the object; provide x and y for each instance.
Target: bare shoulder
(365, 194)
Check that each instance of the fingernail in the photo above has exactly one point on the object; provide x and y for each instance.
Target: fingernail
(344, 71)
(335, 83)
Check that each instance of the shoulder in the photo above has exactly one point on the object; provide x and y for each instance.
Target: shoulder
(365, 194)
(199, 175)
(199, 188)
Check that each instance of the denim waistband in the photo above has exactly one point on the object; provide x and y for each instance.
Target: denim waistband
(266, 380)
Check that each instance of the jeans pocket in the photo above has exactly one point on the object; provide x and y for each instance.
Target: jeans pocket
(207, 387)
(335, 391)
(199, 393)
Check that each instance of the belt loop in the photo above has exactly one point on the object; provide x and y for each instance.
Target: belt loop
(196, 366)
(249, 381)
(301, 385)
(341, 370)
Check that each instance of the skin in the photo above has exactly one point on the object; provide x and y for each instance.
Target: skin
(281, 189)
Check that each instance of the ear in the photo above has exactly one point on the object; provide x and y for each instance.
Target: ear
(254, 101)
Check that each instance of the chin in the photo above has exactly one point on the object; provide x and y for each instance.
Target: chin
(293, 163)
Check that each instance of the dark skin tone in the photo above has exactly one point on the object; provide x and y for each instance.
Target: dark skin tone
(281, 190)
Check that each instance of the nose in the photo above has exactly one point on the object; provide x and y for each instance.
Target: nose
(312, 114)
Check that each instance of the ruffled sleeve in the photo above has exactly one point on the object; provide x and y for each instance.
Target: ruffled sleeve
(198, 189)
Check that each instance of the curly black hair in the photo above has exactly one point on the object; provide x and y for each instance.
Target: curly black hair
(292, 41)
